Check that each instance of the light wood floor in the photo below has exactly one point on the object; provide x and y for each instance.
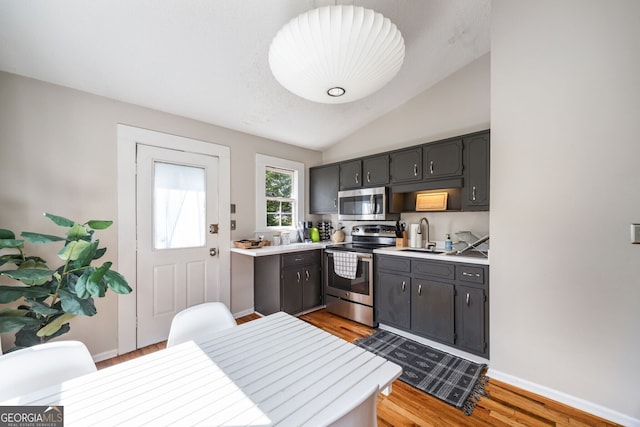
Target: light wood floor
(406, 406)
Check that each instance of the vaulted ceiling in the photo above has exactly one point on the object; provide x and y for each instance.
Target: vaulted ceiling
(208, 59)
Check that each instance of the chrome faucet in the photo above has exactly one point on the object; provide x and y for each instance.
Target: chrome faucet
(427, 242)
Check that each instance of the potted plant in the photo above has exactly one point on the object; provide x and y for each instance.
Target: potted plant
(52, 297)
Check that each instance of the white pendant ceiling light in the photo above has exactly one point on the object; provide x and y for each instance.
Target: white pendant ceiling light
(336, 54)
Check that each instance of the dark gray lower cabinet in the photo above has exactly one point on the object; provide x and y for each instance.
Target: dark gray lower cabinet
(395, 291)
(288, 282)
(470, 308)
(440, 300)
(432, 309)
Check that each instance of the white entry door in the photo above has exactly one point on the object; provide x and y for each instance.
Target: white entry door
(177, 210)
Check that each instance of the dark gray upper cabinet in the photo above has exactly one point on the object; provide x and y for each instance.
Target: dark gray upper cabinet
(375, 171)
(475, 193)
(324, 183)
(442, 159)
(351, 174)
(405, 165)
(461, 162)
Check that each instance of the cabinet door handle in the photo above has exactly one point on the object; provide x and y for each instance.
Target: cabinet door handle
(306, 272)
(368, 176)
(473, 193)
(415, 169)
(403, 285)
(357, 178)
(467, 298)
(298, 274)
(431, 167)
(419, 290)
(464, 273)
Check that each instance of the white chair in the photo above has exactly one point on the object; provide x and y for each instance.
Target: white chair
(30, 369)
(199, 320)
(360, 413)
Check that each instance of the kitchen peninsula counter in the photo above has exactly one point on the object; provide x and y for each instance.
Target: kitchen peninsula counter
(280, 249)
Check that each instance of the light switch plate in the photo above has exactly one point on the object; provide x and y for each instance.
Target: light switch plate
(635, 233)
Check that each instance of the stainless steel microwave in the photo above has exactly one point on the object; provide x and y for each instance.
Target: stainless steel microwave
(365, 204)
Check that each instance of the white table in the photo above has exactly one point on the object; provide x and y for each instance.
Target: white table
(277, 370)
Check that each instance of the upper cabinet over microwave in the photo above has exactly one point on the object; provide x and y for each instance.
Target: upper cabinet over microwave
(367, 172)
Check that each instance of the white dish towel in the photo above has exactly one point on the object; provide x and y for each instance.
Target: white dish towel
(345, 264)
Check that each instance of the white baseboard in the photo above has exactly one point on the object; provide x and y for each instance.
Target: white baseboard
(547, 392)
(105, 355)
(565, 398)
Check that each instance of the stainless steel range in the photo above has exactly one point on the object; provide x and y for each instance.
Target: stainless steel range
(351, 295)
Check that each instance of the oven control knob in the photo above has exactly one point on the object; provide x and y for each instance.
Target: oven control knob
(346, 294)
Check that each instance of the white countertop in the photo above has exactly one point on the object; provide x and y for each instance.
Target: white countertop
(392, 250)
(280, 249)
(469, 259)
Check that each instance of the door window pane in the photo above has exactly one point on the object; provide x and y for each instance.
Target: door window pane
(178, 206)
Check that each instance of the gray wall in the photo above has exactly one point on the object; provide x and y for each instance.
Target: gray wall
(58, 151)
(563, 81)
(565, 187)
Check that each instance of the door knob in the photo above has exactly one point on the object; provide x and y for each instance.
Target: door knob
(213, 251)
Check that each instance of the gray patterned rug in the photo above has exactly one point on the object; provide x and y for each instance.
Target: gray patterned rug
(452, 379)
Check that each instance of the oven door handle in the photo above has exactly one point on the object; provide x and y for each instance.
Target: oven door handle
(361, 255)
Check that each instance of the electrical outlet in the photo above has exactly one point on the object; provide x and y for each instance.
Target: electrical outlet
(233, 224)
(635, 233)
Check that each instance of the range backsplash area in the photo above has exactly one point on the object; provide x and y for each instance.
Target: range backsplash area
(440, 223)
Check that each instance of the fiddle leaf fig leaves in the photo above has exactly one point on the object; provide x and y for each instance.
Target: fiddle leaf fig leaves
(52, 297)
(75, 305)
(6, 234)
(54, 326)
(12, 319)
(99, 225)
(11, 243)
(29, 276)
(40, 238)
(13, 293)
(77, 232)
(73, 250)
(117, 282)
(87, 254)
(61, 221)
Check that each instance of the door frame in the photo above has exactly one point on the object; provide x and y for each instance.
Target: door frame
(128, 138)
